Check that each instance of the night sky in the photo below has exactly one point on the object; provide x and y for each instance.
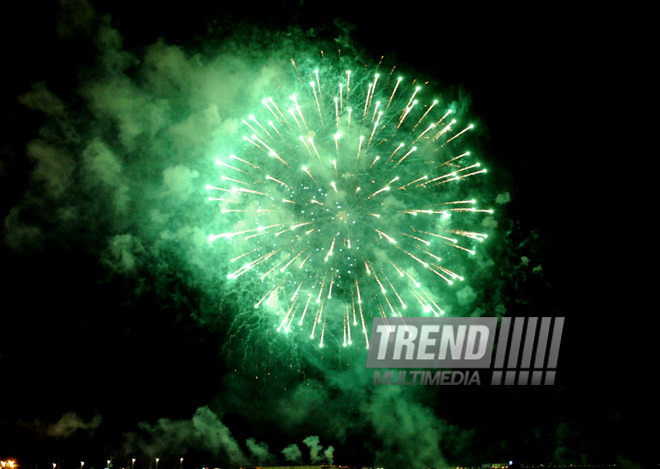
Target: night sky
(118, 337)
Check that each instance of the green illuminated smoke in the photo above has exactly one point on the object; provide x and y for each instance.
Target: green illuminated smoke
(125, 176)
(349, 196)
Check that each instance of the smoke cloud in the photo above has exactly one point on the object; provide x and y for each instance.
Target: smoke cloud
(70, 423)
(292, 454)
(258, 452)
(204, 431)
(316, 451)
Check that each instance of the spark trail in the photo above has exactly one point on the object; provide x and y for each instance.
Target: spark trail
(348, 200)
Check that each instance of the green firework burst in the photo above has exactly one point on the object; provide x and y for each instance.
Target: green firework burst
(350, 197)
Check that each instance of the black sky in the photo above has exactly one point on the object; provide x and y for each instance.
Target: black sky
(537, 77)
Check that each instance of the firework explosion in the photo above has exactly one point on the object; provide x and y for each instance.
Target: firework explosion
(349, 199)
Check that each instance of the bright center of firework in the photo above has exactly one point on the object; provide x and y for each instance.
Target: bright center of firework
(345, 191)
